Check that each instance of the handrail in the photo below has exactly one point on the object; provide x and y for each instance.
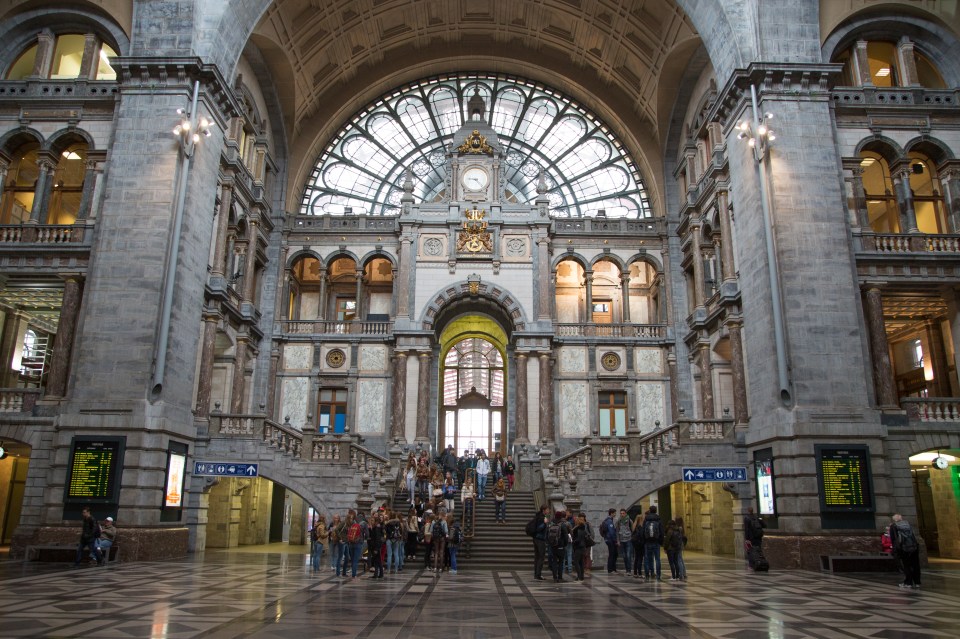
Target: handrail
(931, 409)
(18, 400)
(321, 327)
(592, 329)
(364, 459)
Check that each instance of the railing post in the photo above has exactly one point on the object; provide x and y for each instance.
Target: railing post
(309, 432)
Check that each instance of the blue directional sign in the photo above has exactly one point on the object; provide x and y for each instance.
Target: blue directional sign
(224, 469)
(725, 474)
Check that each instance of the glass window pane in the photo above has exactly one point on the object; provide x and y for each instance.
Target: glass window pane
(620, 422)
(604, 422)
(882, 59)
(23, 67)
(67, 56)
(341, 423)
(104, 70)
(927, 73)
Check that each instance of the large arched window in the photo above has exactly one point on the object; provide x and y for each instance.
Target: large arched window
(882, 209)
(20, 186)
(473, 396)
(886, 67)
(67, 61)
(586, 167)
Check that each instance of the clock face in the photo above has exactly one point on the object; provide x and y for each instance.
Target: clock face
(941, 463)
(475, 179)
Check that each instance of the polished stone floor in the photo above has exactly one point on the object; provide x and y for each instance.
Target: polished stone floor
(270, 595)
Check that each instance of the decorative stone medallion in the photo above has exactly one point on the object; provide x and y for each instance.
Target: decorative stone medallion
(336, 358)
(516, 247)
(610, 361)
(433, 247)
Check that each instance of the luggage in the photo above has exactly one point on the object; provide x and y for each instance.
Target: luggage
(757, 560)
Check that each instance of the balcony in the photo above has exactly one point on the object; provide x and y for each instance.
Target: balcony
(634, 332)
(327, 327)
(45, 234)
(18, 400)
(902, 244)
(895, 97)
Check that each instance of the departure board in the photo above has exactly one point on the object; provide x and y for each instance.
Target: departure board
(95, 467)
(844, 474)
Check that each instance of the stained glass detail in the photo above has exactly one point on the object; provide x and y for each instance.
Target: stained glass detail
(542, 131)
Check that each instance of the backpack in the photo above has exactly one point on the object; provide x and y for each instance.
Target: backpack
(437, 531)
(531, 527)
(651, 530)
(449, 492)
(457, 537)
(588, 539)
(313, 534)
(908, 541)
(555, 535)
(354, 534)
(394, 532)
(605, 528)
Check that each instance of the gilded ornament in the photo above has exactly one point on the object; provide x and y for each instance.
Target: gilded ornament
(475, 144)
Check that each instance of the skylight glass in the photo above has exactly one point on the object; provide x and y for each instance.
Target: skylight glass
(586, 170)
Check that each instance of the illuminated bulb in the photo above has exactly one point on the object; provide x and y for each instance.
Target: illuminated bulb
(181, 112)
(762, 130)
(768, 116)
(741, 135)
(204, 123)
(771, 136)
(752, 142)
(177, 130)
(196, 138)
(743, 125)
(186, 125)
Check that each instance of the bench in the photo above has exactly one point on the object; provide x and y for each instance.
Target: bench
(859, 563)
(34, 552)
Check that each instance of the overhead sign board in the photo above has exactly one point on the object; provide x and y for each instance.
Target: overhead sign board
(723, 474)
(224, 469)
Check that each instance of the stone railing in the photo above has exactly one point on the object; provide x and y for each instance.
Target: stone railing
(577, 463)
(41, 233)
(705, 430)
(365, 461)
(631, 331)
(896, 243)
(284, 438)
(653, 445)
(864, 96)
(327, 327)
(69, 91)
(650, 226)
(931, 409)
(18, 400)
(349, 222)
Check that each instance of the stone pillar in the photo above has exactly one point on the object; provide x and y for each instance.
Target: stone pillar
(901, 183)
(697, 259)
(211, 319)
(272, 383)
(239, 368)
(548, 296)
(861, 64)
(674, 387)
(879, 349)
(219, 266)
(625, 296)
(740, 409)
(523, 433)
(10, 343)
(706, 382)
(45, 44)
(403, 279)
(250, 265)
(63, 341)
(322, 302)
(588, 292)
(860, 198)
(41, 197)
(908, 63)
(423, 398)
(399, 417)
(89, 184)
(91, 59)
(547, 427)
(950, 179)
(359, 295)
(939, 386)
(727, 266)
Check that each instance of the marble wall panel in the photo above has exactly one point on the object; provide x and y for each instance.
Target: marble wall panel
(370, 410)
(297, 357)
(573, 359)
(296, 391)
(648, 360)
(373, 358)
(573, 410)
(515, 248)
(309, 306)
(380, 304)
(650, 406)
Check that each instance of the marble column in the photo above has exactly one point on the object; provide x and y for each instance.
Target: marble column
(706, 383)
(63, 341)
(522, 420)
(861, 65)
(939, 386)
(588, 292)
(239, 372)
(740, 409)
(45, 44)
(86, 195)
(211, 320)
(219, 266)
(399, 417)
(727, 266)
(90, 61)
(359, 295)
(402, 282)
(908, 63)
(41, 197)
(547, 297)
(696, 257)
(272, 383)
(674, 387)
(901, 182)
(879, 349)
(547, 426)
(625, 295)
(423, 398)
(950, 179)
(250, 265)
(860, 198)
(322, 301)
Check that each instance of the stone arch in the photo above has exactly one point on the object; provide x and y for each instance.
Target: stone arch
(279, 474)
(652, 260)
(65, 137)
(931, 147)
(489, 299)
(16, 138)
(302, 253)
(337, 254)
(883, 146)
(377, 253)
(573, 256)
(608, 257)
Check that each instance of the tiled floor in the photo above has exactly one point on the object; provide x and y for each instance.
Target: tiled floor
(245, 594)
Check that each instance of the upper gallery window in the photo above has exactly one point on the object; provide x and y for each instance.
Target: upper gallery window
(886, 68)
(67, 61)
(586, 168)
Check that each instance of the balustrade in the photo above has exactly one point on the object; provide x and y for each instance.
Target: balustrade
(931, 409)
(327, 327)
(41, 234)
(633, 331)
(18, 400)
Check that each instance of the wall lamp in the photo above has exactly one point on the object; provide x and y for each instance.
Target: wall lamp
(758, 134)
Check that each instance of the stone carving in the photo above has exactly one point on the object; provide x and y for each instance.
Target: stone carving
(297, 356)
(373, 358)
(650, 406)
(610, 361)
(516, 247)
(336, 358)
(433, 246)
(370, 413)
(295, 393)
(573, 360)
(573, 410)
(648, 360)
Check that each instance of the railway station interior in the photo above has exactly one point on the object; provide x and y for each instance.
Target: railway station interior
(702, 255)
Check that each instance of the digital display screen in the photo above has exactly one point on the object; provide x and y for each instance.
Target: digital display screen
(173, 497)
(765, 486)
(95, 467)
(844, 477)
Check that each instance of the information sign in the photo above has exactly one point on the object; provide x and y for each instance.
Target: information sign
(844, 477)
(224, 469)
(724, 474)
(94, 470)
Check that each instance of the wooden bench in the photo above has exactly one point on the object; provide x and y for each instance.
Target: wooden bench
(34, 552)
(859, 563)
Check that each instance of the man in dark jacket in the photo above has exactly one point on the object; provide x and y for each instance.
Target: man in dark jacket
(539, 542)
(88, 538)
(652, 536)
(608, 530)
(906, 547)
(448, 461)
(752, 537)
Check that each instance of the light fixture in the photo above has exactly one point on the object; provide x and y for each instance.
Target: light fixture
(3, 451)
(884, 72)
(71, 155)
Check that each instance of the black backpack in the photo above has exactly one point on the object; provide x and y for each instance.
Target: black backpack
(651, 530)
(555, 535)
(394, 531)
(531, 527)
(908, 541)
(437, 531)
(456, 538)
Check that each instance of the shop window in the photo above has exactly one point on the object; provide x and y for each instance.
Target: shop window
(613, 413)
(21, 182)
(332, 411)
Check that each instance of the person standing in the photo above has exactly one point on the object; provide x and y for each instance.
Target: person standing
(453, 543)
(608, 530)
(483, 470)
(624, 535)
(439, 533)
(509, 471)
(752, 537)
(537, 529)
(375, 543)
(906, 547)
(395, 529)
(336, 535)
(462, 465)
(318, 536)
(448, 463)
(89, 535)
(410, 476)
(500, 501)
(580, 536)
(558, 536)
(652, 540)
